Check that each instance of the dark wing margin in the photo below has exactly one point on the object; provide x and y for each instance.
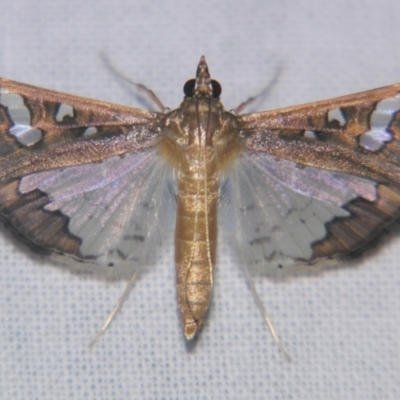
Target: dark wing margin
(42, 230)
(357, 135)
(366, 221)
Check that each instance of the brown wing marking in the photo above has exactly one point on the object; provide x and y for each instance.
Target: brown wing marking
(65, 139)
(43, 229)
(325, 155)
(91, 111)
(367, 220)
(336, 145)
(356, 109)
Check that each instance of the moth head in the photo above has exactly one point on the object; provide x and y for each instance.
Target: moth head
(203, 85)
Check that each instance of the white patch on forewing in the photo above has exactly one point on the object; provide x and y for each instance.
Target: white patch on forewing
(63, 111)
(90, 131)
(310, 134)
(381, 118)
(21, 118)
(337, 115)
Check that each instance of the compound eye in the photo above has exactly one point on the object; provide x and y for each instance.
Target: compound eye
(216, 89)
(188, 88)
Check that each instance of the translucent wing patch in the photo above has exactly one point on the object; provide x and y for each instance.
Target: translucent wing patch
(114, 208)
(282, 209)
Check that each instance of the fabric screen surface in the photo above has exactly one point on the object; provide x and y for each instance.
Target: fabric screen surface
(341, 328)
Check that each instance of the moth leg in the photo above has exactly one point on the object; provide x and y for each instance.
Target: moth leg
(138, 86)
(263, 93)
(114, 312)
(265, 316)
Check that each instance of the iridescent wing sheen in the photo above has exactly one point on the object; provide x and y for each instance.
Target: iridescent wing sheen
(317, 180)
(81, 177)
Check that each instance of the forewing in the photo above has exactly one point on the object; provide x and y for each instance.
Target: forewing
(357, 134)
(318, 180)
(80, 177)
(41, 130)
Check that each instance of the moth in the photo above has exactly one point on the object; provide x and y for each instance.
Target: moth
(97, 182)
